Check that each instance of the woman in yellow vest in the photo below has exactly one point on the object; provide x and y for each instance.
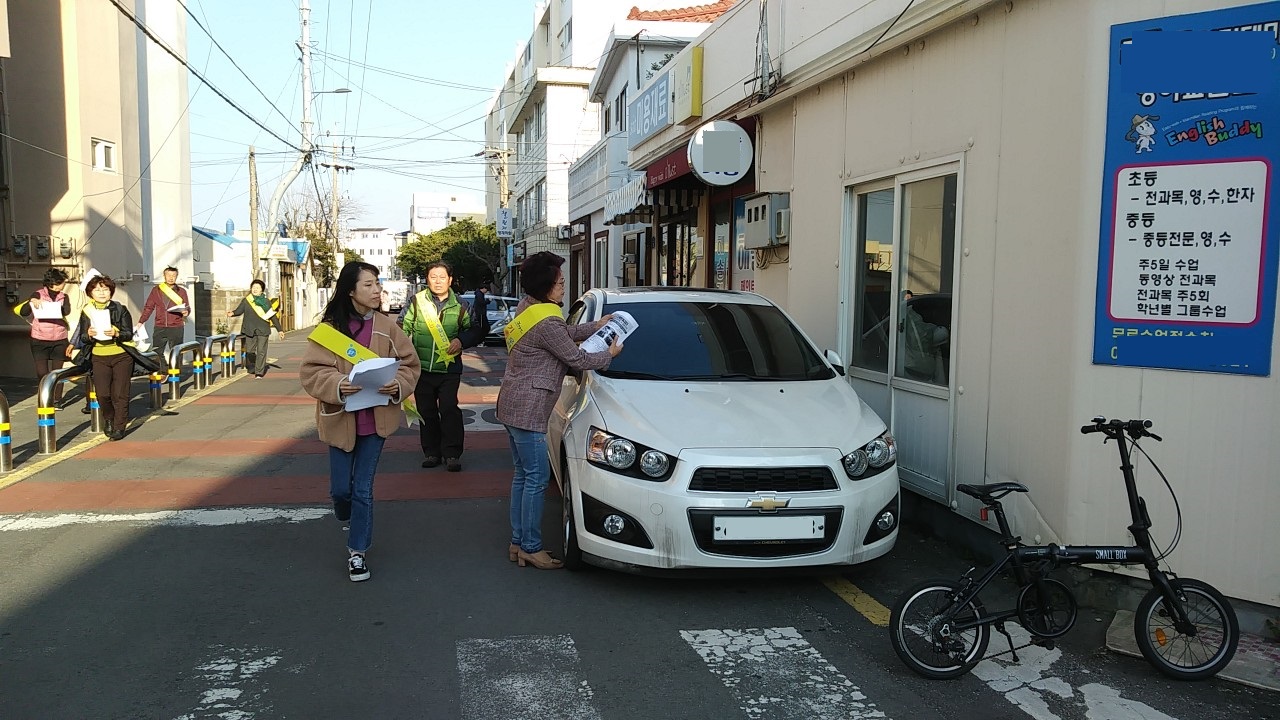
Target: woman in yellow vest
(259, 317)
(352, 330)
(542, 350)
(104, 330)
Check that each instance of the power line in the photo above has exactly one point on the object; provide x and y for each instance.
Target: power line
(233, 62)
(163, 46)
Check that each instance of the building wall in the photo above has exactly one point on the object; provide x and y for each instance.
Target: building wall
(73, 77)
(988, 90)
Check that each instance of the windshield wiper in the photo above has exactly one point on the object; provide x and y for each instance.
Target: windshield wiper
(727, 376)
(634, 375)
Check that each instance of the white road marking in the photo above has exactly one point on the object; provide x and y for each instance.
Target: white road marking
(1028, 685)
(480, 418)
(233, 696)
(774, 673)
(209, 517)
(530, 677)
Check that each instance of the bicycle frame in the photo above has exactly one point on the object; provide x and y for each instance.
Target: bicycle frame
(1019, 555)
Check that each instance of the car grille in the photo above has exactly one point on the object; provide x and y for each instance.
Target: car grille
(702, 522)
(745, 480)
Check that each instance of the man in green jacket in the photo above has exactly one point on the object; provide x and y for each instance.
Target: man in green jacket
(439, 324)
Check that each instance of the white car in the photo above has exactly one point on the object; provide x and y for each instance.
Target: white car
(500, 310)
(719, 438)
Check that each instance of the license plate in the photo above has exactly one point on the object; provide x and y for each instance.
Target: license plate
(777, 527)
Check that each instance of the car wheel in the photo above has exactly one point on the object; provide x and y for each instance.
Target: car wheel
(572, 553)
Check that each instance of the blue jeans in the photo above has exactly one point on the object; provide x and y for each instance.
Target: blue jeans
(528, 487)
(351, 479)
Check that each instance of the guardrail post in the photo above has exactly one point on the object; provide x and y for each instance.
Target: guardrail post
(157, 390)
(209, 342)
(95, 410)
(46, 424)
(230, 349)
(197, 371)
(175, 366)
(6, 447)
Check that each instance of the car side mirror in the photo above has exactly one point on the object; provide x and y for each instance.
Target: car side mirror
(833, 358)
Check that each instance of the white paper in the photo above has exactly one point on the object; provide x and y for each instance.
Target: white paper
(179, 308)
(620, 326)
(99, 323)
(369, 375)
(140, 336)
(47, 311)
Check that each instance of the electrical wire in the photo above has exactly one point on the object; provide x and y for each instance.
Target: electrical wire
(164, 46)
(1177, 534)
(223, 50)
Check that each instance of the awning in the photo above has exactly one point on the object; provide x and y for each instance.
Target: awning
(632, 203)
(628, 204)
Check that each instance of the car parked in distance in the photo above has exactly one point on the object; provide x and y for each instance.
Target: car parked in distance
(721, 437)
(500, 311)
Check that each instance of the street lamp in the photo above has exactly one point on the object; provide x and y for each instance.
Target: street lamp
(339, 91)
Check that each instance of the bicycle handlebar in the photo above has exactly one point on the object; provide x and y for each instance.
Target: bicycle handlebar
(1114, 428)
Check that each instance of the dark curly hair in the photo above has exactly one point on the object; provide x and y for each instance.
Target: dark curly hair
(100, 280)
(538, 273)
(54, 276)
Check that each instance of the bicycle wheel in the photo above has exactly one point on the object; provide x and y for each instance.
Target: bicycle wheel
(923, 638)
(1187, 656)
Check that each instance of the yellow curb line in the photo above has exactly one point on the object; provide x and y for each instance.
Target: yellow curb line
(33, 467)
(870, 608)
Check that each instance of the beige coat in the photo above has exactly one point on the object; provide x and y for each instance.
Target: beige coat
(322, 371)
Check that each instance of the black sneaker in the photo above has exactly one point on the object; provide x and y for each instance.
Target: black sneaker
(342, 510)
(431, 461)
(356, 568)
(453, 464)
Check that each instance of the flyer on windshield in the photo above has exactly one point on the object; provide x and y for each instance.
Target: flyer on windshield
(620, 326)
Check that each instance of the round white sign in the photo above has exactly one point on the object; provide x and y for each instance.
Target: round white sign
(720, 153)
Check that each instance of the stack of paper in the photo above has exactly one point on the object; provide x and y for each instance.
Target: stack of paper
(369, 375)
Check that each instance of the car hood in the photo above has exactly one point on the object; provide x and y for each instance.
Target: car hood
(674, 416)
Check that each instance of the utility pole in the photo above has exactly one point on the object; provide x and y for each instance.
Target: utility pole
(333, 208)
(253, 212)
(304, 157)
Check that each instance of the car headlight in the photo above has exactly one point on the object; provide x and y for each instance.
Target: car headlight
(871, 458)
(624, 456)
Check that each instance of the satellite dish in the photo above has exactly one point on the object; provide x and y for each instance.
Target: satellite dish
(231, 226)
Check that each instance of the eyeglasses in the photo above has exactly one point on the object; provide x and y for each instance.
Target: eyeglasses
(560, 282)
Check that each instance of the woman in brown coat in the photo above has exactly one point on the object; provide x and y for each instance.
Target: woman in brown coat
(542, 350)
(355, 438)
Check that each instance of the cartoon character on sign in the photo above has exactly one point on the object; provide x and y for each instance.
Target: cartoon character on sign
(1142, 133)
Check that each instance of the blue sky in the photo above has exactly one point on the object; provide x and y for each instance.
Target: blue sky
(412, 129)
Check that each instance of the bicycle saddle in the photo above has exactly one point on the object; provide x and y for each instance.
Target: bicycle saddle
(992, 492)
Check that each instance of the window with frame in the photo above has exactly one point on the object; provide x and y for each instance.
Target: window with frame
(104, 155)
(620, 109)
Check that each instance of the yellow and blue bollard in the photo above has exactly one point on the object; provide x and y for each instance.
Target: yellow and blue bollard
(47, 427)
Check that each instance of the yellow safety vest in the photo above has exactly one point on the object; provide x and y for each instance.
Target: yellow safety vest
(331, 339)
(525, 321)
(432, 318)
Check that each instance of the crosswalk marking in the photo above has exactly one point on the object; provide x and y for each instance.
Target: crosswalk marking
(530, 677)
(235, 692)
(175, 518)
(775, 674)
(1028, 685)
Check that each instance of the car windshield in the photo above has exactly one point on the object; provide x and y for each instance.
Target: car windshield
(714, 341)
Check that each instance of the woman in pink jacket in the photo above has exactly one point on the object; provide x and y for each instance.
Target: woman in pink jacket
(542, 349)
(355, 438)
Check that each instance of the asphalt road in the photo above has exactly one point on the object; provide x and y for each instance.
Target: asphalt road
(193, 571)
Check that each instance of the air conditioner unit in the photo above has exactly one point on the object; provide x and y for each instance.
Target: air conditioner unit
(564, 232)
(768, 220)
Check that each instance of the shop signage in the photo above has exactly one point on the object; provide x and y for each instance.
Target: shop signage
(1188, 243)
(720, 153)
(686, 86)
(649, 113)
(669, 167)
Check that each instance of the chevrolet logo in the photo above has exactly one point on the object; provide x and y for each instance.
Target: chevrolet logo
(768, 504)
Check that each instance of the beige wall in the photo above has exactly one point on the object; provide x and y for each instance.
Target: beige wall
(74, 76)
(1015, 95)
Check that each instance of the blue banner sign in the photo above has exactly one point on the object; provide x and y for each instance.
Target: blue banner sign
(1188, 253)
(649, 113)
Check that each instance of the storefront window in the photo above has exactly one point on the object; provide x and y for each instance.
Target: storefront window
(928, 245)
(873, 253)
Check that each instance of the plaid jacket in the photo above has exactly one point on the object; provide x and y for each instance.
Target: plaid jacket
(536, 369)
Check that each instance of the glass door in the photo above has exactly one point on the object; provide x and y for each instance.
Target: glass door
(901, 325)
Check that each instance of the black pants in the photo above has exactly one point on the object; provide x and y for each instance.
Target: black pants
(111, 378)
(437, 397)
(165, 338)
(255, 353)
